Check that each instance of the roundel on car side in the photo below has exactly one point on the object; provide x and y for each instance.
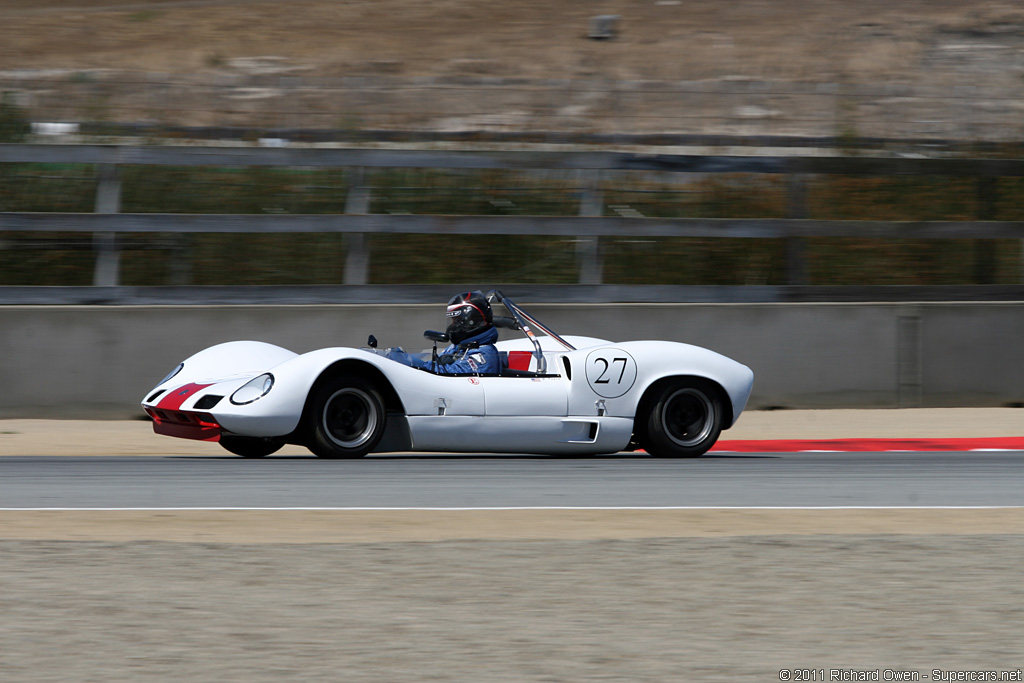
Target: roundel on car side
(610, 372)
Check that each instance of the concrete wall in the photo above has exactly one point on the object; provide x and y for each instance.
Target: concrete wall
(99, 361)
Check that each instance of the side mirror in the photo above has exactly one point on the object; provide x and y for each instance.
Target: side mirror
(505, 322)
(372, 342)
(435, 336)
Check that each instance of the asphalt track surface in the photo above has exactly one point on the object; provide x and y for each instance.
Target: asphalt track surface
(747, 480)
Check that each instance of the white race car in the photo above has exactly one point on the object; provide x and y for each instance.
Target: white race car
(554, 395)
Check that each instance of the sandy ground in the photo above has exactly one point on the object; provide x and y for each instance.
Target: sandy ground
(371, 526)
(517, 596)
(658, 610)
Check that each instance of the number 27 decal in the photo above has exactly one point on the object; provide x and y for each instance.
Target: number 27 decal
(604, 378)
(610, 372)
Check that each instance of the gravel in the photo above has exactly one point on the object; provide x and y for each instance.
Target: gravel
(661, 609)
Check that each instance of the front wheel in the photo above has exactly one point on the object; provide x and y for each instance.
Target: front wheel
(251, 446)
(346, 418)
(684, 421)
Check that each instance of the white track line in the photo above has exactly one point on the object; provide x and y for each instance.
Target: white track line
(505, 509)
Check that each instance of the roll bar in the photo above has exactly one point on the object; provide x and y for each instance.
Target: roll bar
(523, 321)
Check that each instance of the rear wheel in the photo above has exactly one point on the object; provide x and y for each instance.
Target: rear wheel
(251, 446)
(684, 420)
(346, 418)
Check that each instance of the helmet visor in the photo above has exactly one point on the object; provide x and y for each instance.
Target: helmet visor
(464, 320)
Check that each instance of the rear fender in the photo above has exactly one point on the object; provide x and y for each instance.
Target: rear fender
(658, 361)
(734, 381)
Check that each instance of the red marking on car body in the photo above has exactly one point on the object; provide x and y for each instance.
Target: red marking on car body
(519, 360)
(174, 398)
(1010, 443)
(170, 420)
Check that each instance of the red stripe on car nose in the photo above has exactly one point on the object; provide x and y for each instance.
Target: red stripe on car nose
(173, 399)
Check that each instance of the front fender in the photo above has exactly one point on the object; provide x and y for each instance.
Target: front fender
(228, 361)
(208, 379)
(279, 411)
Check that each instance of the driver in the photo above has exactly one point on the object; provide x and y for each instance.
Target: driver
(472, 336)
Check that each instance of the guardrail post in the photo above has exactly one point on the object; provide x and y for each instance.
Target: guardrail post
(985, 250)
(108, 256)
(588, 248)
(180, 267)
(357, 253)
(796, 247)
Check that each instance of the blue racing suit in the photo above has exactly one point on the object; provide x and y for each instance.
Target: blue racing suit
(459, 359)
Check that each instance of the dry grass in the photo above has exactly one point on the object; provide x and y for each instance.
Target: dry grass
(782, 39)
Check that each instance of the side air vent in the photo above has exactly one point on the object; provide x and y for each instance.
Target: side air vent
(154, 396)
(207, 402)
(568, 368)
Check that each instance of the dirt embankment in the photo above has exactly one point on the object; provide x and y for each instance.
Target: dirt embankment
(832, 40)
(784, 67)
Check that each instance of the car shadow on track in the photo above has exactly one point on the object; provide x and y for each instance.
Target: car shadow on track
(494, 456)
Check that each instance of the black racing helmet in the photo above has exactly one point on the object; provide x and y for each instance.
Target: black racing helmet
(468, 315)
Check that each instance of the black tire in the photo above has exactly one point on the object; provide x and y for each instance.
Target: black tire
(684, 420)
(251, 446)
(346, 418)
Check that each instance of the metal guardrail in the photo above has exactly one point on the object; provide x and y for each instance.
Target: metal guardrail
(589, 224)
(222, 134)
(755, 228)
(508, 160)
(285, 295)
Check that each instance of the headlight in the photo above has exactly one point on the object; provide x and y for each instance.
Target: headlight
(253, 389)
(171, 374)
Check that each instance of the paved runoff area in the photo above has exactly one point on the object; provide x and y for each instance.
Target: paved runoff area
(756, 428)
(514, 595)
(135, 437)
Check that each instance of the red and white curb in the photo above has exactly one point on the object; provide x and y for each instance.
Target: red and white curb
(988, 444)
